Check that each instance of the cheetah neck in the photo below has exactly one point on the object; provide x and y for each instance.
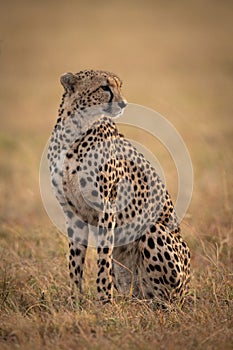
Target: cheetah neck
(70, 129)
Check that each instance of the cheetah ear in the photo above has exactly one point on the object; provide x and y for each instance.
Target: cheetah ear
(69, 81)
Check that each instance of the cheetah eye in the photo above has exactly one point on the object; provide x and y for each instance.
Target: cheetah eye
(106, 88)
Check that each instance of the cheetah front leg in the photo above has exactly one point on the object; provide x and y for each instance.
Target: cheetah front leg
(78, 241)
(105, 241)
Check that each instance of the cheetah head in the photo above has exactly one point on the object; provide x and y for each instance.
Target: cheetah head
(94, 93)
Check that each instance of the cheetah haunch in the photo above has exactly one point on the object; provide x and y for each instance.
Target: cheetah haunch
(108, 189)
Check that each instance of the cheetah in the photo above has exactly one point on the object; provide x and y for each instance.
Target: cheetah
(109, 191)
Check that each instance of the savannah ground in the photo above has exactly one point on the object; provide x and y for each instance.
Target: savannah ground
(174, 57)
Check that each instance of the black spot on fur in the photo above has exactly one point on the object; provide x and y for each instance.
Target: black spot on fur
(77, 252)
(106, 250)
(70, 232)
(83, 182)
(153, 229)
(167, 256)
(151, 243)
(146, 253)
(159, 241)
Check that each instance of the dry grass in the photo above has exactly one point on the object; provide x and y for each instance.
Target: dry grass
(36, 311)
(173, 57)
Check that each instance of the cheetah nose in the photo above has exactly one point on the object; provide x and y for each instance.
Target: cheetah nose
(122, 104)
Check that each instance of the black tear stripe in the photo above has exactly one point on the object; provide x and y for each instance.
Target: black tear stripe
(107, 88)
(111, 96)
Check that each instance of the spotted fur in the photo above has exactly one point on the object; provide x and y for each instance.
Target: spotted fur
(112, 196)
